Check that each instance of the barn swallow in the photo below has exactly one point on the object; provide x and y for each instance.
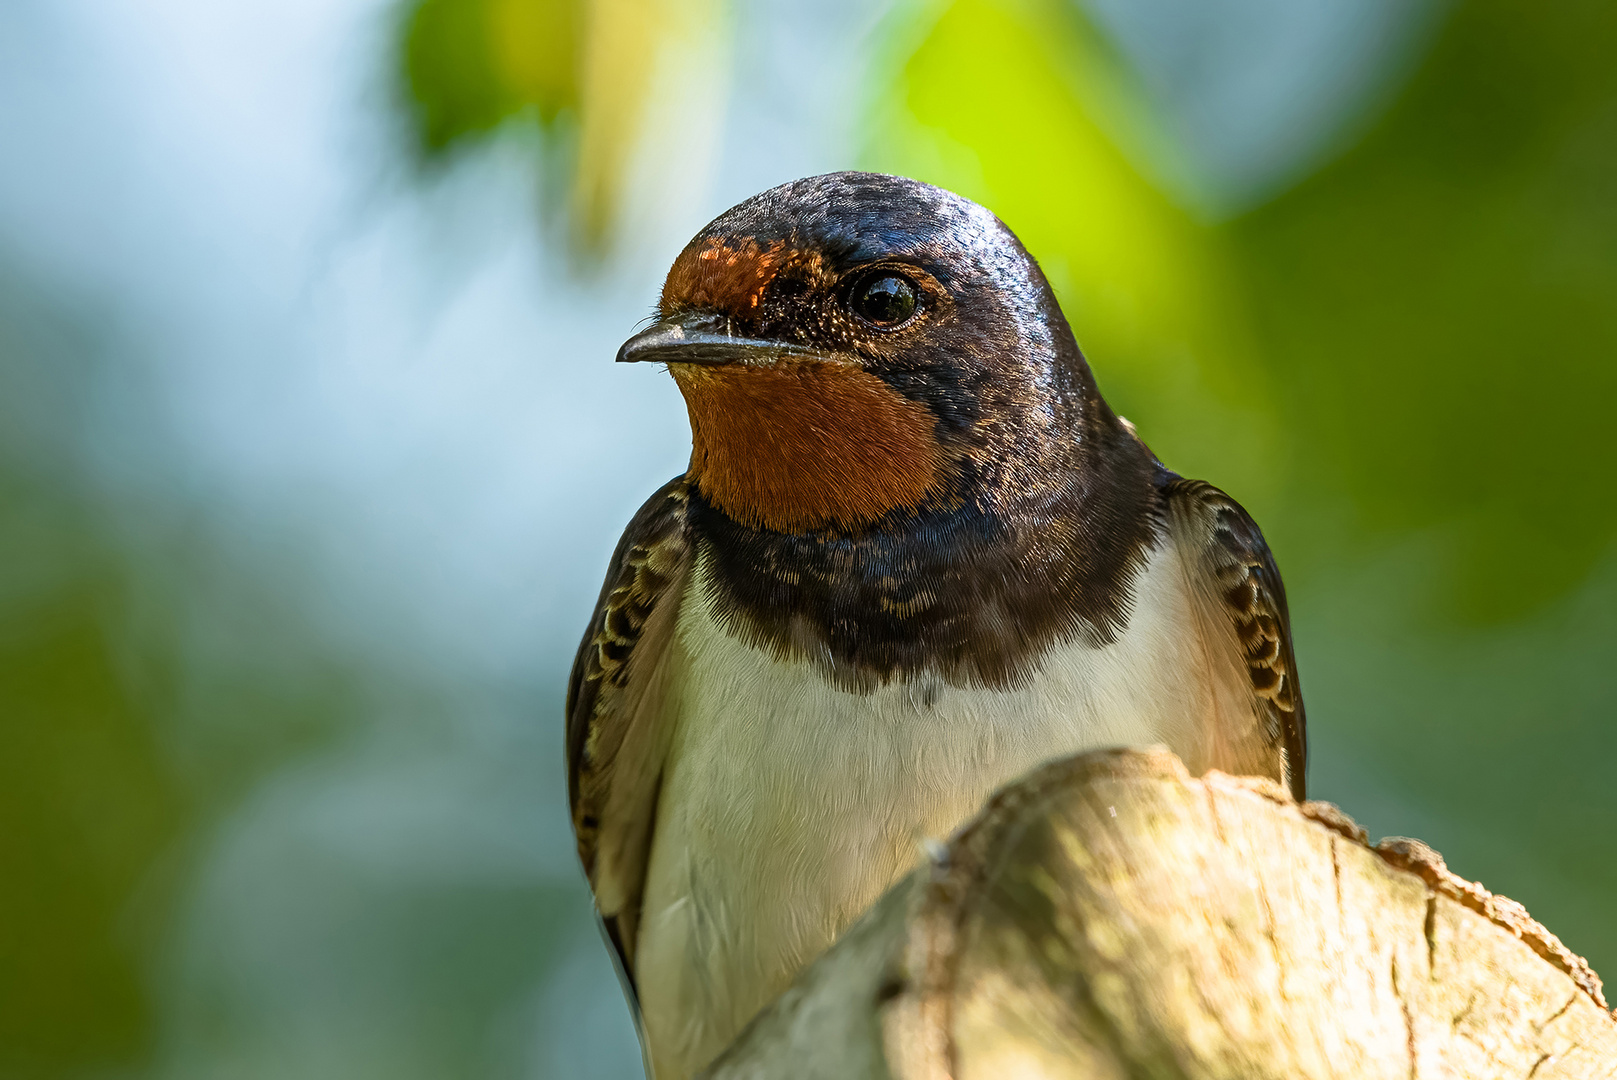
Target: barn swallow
(915, 555)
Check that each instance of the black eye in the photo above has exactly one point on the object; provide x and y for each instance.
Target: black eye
(884, 300)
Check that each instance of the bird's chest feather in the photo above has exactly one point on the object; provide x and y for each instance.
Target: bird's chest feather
(788, 805)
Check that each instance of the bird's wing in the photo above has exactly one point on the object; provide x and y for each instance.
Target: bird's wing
(616, 728)
(1243, 609)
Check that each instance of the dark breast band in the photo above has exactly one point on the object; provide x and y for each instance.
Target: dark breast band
(973, 596)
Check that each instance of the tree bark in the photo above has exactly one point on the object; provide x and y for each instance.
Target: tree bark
(1111, 916)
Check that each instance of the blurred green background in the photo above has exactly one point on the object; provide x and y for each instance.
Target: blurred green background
(311, 450)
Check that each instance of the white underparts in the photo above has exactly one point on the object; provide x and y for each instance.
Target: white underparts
(788, 805)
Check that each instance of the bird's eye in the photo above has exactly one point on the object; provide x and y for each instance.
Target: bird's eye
(884, 300)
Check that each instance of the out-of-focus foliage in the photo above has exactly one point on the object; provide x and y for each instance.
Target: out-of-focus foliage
(85, 797)
(99, 635)
(584, 71)
(1441, 306)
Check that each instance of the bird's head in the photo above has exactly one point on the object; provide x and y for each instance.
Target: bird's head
(855, 346)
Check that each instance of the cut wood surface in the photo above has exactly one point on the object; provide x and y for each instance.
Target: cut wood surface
(1111, 916)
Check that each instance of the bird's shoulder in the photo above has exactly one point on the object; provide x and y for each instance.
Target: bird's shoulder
(1240, 585)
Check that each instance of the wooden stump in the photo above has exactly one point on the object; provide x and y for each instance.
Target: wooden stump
(1111, 916)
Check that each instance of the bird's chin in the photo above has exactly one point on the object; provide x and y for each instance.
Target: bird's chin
(806, 444)
(738, 363)
(763, 360)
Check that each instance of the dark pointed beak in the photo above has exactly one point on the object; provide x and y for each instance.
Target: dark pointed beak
(702, 339)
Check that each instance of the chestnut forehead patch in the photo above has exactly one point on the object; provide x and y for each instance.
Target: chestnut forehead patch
(728, 275)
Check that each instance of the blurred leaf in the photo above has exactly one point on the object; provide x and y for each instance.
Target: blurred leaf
(469, 64)
(535, 50)
(627, 41)
(101, 787)
(85, 799)
(472, 64)
(1009, 103)
(87, 803)
(1441, 306)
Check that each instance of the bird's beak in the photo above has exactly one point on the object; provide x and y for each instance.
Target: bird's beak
(701, 338)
